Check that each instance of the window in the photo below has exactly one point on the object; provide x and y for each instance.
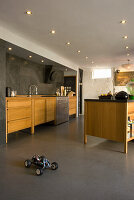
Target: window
(101, 73)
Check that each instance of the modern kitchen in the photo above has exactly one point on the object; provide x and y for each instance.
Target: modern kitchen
(66, 100)
(38, 91)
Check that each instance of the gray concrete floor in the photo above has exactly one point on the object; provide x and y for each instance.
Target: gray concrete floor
(98, 170)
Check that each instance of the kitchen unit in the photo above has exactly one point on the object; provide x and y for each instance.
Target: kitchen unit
(72, 105)
(108, 119)
(26, 112)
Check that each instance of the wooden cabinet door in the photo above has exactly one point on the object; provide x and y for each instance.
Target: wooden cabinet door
(50, 109)
(93, 118)
(39, 111)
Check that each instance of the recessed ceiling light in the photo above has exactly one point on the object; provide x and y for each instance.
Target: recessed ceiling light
(68, 43)
(126, 47)
(125, 37)
(42, 61)
(128, 54)
(86, 57)
(123, 21)
(78, 51)
(52, 31)
(10, 49)
(29, 12)
(92, 62)
(30, 56)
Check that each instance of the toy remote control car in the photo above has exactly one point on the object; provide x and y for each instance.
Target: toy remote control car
(42, 163)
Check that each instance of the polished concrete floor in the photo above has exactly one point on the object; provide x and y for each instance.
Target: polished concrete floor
(98, 170)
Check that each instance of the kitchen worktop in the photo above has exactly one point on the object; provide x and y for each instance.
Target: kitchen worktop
(31, 97)
(110, 100)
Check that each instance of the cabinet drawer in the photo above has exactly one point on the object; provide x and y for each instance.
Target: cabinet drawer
(15, 104)
(18, 113)
(17, 125)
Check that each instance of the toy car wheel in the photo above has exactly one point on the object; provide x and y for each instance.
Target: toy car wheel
(39, 171)
(54, 166)
(27, 163)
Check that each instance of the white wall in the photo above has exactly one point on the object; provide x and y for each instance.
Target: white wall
(92, 88)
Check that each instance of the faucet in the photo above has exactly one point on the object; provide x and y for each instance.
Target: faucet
(30, 89)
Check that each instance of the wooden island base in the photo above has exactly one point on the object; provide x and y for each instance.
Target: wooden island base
(108, 119)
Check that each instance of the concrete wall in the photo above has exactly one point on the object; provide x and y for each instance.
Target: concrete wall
(2, 92)
(21, 73)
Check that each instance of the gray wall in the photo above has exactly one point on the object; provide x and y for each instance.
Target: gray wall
(2, 92)
(21, 73)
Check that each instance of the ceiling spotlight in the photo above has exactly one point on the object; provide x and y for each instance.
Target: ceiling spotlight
(128, 54)
(123, 21)
(10, 49)
(125, 37)
(30, 56)
(29, 12)
(86, 57)
(126, 47)
(52, 31)
(42, 61)
(78, 51)
(68, 43)
(92, 62)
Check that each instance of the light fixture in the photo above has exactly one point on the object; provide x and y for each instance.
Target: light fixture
(42, 61)
(86, 57)
(123, 21)
(68, 43)
(29, 12)
(10, 49)
(128, 54)
(78, 51)
(30, 56)
(52, 31)
(92, 62)
(126, 47)
(125, 37)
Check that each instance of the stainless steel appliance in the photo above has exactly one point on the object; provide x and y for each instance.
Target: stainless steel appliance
(62, 110)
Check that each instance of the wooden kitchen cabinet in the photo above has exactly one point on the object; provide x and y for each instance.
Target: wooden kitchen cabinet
(72, 105)
(50, 109)
(39, 111)
(27, 112)
(18, 114)
(109, 119)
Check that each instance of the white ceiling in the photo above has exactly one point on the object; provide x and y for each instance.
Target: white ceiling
(92, 26)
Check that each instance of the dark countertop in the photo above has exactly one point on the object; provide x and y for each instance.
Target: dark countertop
(110, 100)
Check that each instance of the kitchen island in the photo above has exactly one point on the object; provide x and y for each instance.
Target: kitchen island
(108, 119)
